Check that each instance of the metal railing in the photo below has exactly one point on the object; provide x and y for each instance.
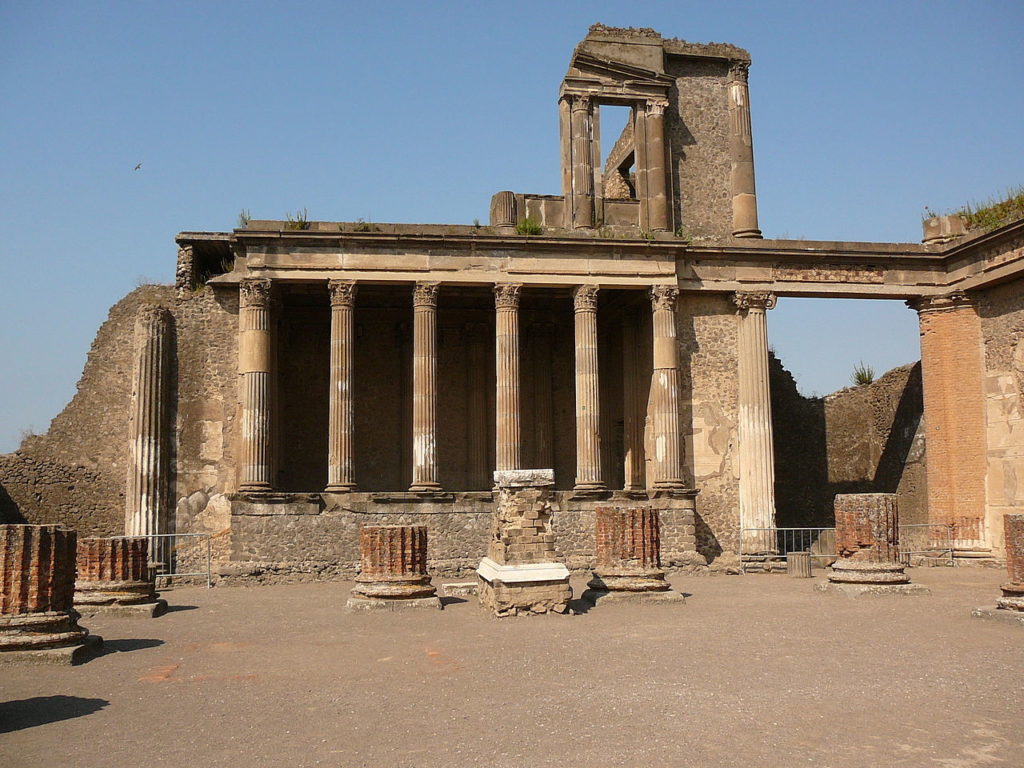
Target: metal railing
(927, 540)
(179, 556)
(765, 545)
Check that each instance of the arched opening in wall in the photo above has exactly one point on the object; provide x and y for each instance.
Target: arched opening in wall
(846, 402)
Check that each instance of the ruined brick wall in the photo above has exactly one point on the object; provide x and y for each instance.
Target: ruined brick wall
(698, 136)
(866, 439)
(1002, 326)
(707, 335)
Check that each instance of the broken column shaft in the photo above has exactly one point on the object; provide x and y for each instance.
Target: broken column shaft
(114, 577)
(628, 555)
(393, 569)
(1013, 590)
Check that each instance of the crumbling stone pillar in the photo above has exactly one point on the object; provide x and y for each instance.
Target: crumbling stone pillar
(1013, 590)
(393, 569)
(424, 389)
(114, 577)
(341, 417)
(588, 404)
(582, 162)
(477, 448)
(628, 554)
(867, 545)
(665, 390)
(744, 198)
(756, 454)
(633, 407)
(504, 211)
(38, 623)
(521, 573)
(657, 195)
(506, 302)
(254, 367)
(147, 502)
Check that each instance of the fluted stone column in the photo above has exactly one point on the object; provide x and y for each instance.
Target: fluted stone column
(543, 396)
(588, 401)
(424, 388)
(341, 415)
(393, 569)
(254, 366)
(668, 454)
(756, 453)
(633, 411)
(114, 577)
(477, 449)
(37, 581)
(657, 184)
(581, 119)
(507, 432)
(147, 496)
(744, 199)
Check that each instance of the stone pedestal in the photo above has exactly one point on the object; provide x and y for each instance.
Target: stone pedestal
(521, 574)
(114, 578)
(393, 569)
(1010, 607)
(38, 624)
(867, 542)
(798, 565)
(628, 553)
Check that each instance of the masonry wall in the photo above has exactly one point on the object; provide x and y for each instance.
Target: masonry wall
(1001, 310)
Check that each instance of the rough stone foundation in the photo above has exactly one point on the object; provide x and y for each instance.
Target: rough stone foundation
(38, 623)
(114, 578)
(393, 569)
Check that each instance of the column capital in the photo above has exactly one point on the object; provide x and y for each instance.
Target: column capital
(343, 292)
(578, 101)
(754, 300)
(950, 301)
(663, 297)
(425, 295)
(584, 298)
(739, 70)
(506, 295)
(656, 107)
(254, 292)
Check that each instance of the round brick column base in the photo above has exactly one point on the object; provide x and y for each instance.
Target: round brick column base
(1013, 597)
(862, 572)
(29, 631)
(617, 580)
(114, 592)
(403, 587)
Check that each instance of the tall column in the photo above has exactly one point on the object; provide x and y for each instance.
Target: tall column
(506, 303)
(741, 145)
(657, 185)
(254, 355)
(582, 162)
(477, 465)
(668, 464)
(147, 500)
(632, 407)
(956, 425)
(756, 454)
(424, 388)
(341, 415)
(588, 403)
(543, 397)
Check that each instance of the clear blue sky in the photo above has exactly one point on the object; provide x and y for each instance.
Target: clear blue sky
(863, 113)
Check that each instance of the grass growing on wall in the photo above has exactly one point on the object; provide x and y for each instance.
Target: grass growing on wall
(994, 212)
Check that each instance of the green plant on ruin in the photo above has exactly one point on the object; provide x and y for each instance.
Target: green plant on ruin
(300, 220)
(862, 374)
(244, 218)
(366, 226)
(684, 235)
(476, 223)
(994, 213)
(646, 234)
(528, 227)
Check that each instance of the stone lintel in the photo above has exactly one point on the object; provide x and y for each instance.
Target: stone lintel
(524, 478)
(491, 572)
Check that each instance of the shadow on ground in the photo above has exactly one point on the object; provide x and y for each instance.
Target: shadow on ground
(39, 710)
(127, 644)
(176, 608)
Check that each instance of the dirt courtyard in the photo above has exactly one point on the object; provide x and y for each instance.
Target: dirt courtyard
(752, 670)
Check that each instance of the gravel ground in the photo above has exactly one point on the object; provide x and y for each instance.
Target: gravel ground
(752, 670)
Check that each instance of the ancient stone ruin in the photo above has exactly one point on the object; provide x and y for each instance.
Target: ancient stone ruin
(393, 569)
(1010, 607)
(629, 558)
(38, 623)
(521, 573)
(304, 379)
(114, 577)
(867, 543)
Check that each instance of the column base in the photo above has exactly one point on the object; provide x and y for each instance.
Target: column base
(860, 590)
(756, 233)
(361, 604)
(425, 488)
(131, 610)
(340, 488)
(595, 596)
(255, 488)
(1013, 618)
(521, 590)
(63, 656)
